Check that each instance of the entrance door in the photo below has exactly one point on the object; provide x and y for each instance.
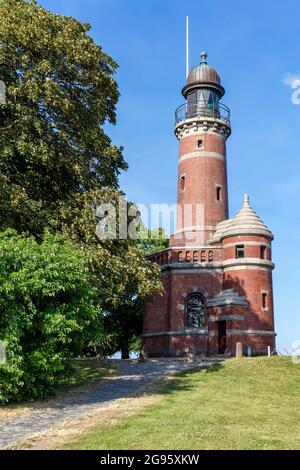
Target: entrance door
(221, 337)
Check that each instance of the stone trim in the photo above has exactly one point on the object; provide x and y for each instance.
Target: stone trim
(197, 332)
(243, 261)
(190, 268)
(227, 298)
(191, 248)
(201, 154)
(195, 228)
(245, 332)
(200, 134)
(246, 268)
(214, 318)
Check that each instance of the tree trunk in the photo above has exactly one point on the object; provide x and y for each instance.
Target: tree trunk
(125, 348)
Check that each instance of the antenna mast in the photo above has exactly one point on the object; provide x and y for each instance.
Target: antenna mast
(187, 46)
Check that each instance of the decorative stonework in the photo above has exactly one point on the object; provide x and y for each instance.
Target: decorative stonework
(194, 126)
(225, 298)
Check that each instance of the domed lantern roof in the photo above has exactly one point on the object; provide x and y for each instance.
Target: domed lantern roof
(203, 76)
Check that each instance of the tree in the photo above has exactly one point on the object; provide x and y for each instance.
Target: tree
(152, 240)
(48, 312)
(60, 91)
(124, 322)
(56, 162)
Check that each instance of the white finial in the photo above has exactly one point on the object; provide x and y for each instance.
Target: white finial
(246, 198)
(203, 57)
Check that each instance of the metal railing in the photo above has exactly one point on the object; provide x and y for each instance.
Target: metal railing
(202, 109)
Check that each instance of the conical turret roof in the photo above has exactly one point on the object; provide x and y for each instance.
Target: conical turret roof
(246, 222)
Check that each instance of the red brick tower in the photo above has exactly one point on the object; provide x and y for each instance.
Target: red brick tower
(202, 127)
(217, 272)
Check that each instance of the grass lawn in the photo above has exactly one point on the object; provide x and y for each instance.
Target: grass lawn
(253, 403)
(86, 372)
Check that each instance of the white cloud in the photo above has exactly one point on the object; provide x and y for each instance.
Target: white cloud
(292, 80)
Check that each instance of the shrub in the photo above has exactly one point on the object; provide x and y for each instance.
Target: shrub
(48, 312)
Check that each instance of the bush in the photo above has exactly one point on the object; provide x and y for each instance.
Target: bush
(48, 312)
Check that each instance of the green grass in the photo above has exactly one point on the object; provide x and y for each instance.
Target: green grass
(251, 403)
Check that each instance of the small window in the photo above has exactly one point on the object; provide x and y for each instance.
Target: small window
(240, 251)
(263, 252)
(219, 193)
(182, 183)
(203, 257)
(200, 144)
(180, 256)
(210, 256)
(188, 257)
(264, 300)
(195, 257)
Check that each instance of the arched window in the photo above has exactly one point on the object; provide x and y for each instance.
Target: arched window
(188, 257)
(180, 256)
(210, 256)
(203, 257)
(195, 311)
(195, 257)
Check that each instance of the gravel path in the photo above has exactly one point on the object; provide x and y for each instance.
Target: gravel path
(132, 376)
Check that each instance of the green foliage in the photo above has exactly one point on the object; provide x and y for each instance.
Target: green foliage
(152, 240)
(140, 279)
(56, 165)
(60, 91)
(48, 312)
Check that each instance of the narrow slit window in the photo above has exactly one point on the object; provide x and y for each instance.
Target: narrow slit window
(200, 144)
(182, 183)
(264, 300)
(263, 252)
(240, 251)
(219, 193)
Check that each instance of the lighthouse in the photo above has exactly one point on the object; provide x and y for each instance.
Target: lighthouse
(217, 271)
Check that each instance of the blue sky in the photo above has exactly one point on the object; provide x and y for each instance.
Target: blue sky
(254, 46)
